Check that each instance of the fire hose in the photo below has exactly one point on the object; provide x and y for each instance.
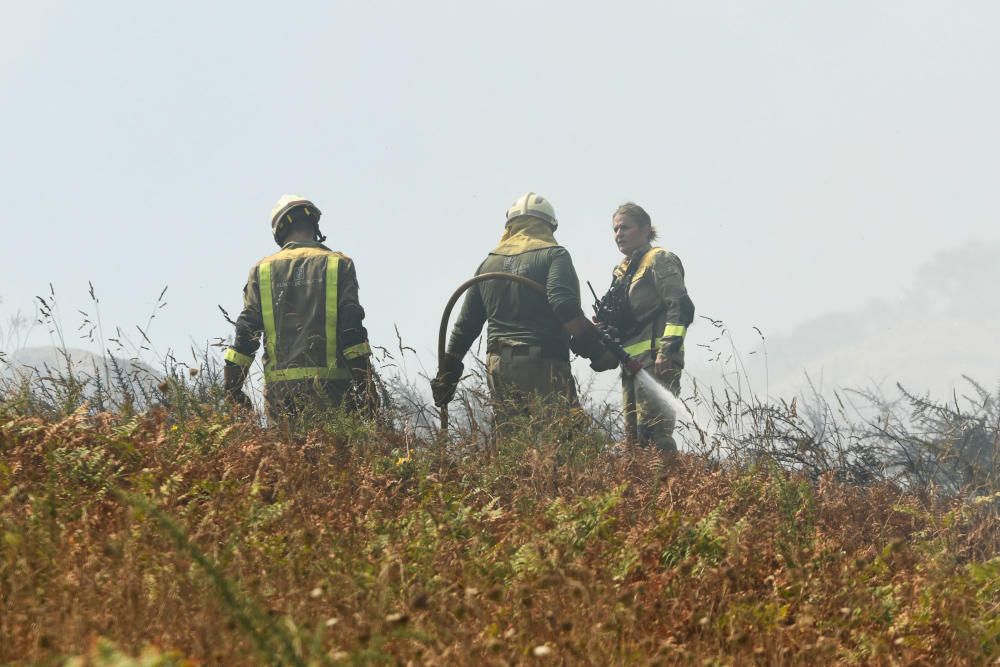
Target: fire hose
(629, 364)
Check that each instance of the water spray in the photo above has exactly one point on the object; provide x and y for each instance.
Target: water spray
(664, 398)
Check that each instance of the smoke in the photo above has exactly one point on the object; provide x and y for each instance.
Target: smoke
(944, 326)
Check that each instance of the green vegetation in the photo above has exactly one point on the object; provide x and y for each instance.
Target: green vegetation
(182, 536)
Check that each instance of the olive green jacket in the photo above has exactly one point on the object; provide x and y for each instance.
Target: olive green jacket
(304, 300)
(660, 303)
(516, 313)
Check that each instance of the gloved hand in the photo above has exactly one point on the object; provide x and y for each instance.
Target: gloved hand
(606, 362)
(445, 383)
(364, 391)
(233, 377)
(241, 400)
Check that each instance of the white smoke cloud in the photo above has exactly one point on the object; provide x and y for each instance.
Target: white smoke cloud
(945, 326)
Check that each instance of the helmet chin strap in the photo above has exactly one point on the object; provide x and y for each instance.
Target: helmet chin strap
(320, 236)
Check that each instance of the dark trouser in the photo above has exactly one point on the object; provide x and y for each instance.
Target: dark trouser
(646, 422)
(518, 375)
(306, 400)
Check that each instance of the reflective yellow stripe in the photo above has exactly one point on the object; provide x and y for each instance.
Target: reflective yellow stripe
(642, 346)
(318, 373)
(267, 314)
(671, 331)
(674, 330)
(237, 358)
(331, 372)
(332, 270)
(356, 351)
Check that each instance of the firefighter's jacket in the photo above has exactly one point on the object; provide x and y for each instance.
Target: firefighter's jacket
(660, 303)
(518, 314)
(304, 300)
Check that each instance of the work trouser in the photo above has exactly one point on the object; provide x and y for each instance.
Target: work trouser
(646, 423)
(519, 375)
(305, 400)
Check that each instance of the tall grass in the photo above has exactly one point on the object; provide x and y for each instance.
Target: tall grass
(168, 531)
(226, 543)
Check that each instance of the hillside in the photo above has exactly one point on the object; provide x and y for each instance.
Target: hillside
(944, 326)
(206, 540)
(47, 370)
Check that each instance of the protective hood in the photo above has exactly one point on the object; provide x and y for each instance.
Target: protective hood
(523, 234)
(645, 256)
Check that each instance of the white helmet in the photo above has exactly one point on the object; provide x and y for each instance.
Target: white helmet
(534, 205)
(281, 215)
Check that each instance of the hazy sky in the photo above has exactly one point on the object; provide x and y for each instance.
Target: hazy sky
(800, 158)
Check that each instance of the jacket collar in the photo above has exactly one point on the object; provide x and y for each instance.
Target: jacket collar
(292, 245)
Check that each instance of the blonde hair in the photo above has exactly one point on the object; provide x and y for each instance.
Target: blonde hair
(638, 215)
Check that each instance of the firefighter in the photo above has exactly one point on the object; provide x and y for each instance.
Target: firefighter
(529, 337)
(649, 310)
(304, 300)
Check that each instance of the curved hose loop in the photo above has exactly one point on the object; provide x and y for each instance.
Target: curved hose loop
(443, 331)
